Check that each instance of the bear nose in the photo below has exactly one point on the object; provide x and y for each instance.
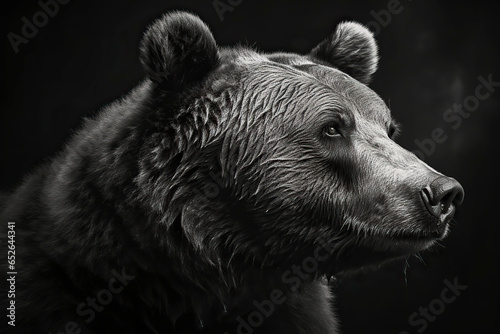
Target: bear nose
(440, 194)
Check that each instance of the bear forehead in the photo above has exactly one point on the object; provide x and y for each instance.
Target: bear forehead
(368, 105)
(326, 86)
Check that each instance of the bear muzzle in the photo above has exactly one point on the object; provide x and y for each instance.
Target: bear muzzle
(441, 197)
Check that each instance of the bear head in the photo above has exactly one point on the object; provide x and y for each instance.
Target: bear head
(264, 157)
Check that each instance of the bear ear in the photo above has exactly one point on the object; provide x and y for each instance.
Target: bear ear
(352, 49)
(177, 50)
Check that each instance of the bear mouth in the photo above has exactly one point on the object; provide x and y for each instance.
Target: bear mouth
(439, 232)
(376, 248)
(409, 242)
(410, 237)
(416, 239)
(431, 228)
(380, 249)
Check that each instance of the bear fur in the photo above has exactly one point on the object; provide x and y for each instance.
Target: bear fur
(219, 195)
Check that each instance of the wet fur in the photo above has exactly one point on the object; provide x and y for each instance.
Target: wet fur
(131, 191)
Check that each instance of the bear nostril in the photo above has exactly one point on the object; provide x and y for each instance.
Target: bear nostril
(441, 194)
(446, 201)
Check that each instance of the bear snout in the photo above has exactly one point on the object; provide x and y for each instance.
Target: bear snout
(441, 196)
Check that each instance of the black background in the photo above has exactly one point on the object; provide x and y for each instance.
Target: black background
(431, 56)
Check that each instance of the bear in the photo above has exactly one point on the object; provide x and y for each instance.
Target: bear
(220, 195)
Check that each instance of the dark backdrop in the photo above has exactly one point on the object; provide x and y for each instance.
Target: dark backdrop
(432, 54)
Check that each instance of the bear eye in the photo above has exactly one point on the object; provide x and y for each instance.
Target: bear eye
(331, 131)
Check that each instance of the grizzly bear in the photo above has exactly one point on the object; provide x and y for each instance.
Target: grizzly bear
(220, 195)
